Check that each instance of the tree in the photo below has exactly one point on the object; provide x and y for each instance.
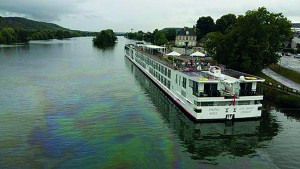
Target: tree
(59, 34)
(140, 35)
(160, 38)
(8, 35)
(204, 26)
(225, 22)
(171, 34)
(252, 43)
(67, 34)
(148, 37)
(105, 38)
(22, 35)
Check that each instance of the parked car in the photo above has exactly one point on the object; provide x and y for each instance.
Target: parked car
(297, 56)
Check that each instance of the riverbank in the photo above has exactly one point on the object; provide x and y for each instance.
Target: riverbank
(275, 90)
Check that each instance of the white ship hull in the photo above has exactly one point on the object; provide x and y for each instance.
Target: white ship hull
(206, 113)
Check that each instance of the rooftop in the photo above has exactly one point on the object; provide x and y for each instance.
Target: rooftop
(186, 32)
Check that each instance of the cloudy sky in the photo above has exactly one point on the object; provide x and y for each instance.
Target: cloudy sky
(146, 15)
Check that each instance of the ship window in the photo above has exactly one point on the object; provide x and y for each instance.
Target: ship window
(195, 89)
(190, 83)
(168, 84)
(207, 103)
(197, 103)
(245, 89)
(184, 82)
(169, 73)
(211, 89)
(166, 71)
(176, 79)
(244, 103)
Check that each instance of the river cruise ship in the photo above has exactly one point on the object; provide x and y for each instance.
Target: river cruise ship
(204, 92)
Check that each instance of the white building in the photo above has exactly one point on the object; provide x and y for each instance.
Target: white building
(295, 43)
(186, 36)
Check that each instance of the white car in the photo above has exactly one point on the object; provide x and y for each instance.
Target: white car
(297, 56)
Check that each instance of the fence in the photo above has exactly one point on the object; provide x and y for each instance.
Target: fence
(281, 88)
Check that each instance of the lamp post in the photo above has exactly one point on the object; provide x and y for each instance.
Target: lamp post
(186, 44)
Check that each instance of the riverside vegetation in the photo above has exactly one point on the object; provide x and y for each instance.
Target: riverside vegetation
(105, 38)
(21, 30)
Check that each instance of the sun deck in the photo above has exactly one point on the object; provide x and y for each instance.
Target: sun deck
(197, 71)
(158, 53)
(237, 75)
(201, 76)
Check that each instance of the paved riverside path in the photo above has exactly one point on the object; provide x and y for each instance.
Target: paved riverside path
(290, 62)
(281, 79)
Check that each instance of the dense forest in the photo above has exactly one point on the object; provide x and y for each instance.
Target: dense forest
(20, 30)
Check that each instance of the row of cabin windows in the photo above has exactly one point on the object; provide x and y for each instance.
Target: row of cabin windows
(140, 62)
(160, 78)
(179, 82)
(226, 103)
(163, 69)
(210, 89)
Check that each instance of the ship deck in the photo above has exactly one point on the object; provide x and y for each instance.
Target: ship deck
(184, 65)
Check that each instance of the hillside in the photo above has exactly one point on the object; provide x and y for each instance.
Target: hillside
(18, 23)
(17, 29)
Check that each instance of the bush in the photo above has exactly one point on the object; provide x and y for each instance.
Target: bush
(290, 101)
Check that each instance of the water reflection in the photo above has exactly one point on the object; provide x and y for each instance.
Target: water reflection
(290, 113)
(206, 141)
(105, 48)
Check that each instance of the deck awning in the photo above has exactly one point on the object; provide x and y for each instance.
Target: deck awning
(161, 49)
(154, 47)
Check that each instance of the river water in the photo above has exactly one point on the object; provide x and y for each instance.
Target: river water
(68, 104)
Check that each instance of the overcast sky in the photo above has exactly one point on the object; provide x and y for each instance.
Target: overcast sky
(146, 15)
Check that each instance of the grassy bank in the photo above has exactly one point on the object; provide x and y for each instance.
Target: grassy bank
(267, 78)
(288, 73)
(275, 95)
(280, 98)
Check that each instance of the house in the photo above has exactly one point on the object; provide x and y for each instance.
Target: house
(186, 37)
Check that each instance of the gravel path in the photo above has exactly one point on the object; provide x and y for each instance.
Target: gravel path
(281, 79)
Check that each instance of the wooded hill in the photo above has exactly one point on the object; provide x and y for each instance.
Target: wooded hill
(17, 29)
(23, 23)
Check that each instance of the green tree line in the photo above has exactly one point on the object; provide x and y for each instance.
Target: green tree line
(10, 35)
(247, 43)
(157, 37)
